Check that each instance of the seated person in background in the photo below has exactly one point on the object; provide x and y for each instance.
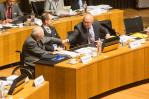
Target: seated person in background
(53, 6)
(87, 32)
(49, 31)
(9, 11)
(34, 46)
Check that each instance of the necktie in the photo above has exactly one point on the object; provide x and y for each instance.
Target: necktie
(9, 12)
(91, 38)
(48, 30)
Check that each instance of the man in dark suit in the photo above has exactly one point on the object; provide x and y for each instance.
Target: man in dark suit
(34, 47)
(9, 11)
(88, 31)
(49, 31)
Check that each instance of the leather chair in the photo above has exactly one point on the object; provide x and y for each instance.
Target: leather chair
(134, 24)
(107, 24)
(38, 7)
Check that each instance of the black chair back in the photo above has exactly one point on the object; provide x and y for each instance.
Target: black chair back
(134, 24)
(107, 24)
(38, 7)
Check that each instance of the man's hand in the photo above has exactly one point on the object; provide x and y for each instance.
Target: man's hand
(65, 41)
(108, 36)
(7, 21)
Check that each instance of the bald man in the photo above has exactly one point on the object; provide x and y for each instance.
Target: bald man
(34, 47)
(9, 11)
(88, 31)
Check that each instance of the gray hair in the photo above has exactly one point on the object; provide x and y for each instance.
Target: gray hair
(37, 32)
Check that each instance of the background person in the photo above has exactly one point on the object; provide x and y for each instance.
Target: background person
(49, 31)
(9, 11)
(53, 6)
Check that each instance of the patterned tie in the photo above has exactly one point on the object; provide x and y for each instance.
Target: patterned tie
(91, 38)
(9, 12)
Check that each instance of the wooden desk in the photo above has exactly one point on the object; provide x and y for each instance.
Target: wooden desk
(13, 39)
(10, 41)
(108, 71)
(30, 92)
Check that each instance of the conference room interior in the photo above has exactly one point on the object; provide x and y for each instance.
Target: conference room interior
(137, 90)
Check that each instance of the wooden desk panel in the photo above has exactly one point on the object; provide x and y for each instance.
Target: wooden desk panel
(30, 92)
(117, 19)
(11, 41)
(147, 62)
(62, 28)
(105, 72)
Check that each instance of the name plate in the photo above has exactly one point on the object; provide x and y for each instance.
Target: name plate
(86, 59)
(135, 44)
(38, 81)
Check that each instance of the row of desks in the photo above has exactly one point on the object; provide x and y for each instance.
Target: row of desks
(12, 40)
(105, 72)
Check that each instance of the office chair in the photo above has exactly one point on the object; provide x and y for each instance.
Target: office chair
(22, 69)
(72, 45)
(107, 24)
(134, 24)
(38, 7)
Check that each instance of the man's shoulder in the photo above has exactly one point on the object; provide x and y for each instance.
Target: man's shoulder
(2, 4)
(16, 5)
(79, 25)
(96, 22)
(29, 40)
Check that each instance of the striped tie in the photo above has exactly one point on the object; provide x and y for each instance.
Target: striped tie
(9, 12)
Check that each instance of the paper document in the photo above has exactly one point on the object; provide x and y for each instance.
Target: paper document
(70, 53)
(86, 50)
(140, 35)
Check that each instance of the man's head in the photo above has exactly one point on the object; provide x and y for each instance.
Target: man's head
(87, 21)
(46, 19)
(37, 33)
(10, 2)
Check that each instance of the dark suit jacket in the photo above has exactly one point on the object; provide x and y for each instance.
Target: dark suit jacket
(32, 50)
(53, 32)
(80, 35)
(49, 46)
(15, 11)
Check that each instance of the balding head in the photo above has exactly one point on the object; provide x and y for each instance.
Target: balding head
(37, 33)
(88, 20)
